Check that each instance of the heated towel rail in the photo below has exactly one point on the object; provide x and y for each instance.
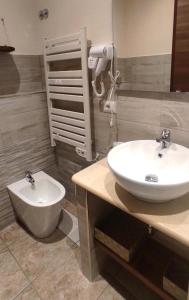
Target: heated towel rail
(69, 126)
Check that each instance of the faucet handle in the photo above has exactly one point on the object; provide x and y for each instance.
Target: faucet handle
(166, 133)
(29, 177)
(165, 136)
(28, 173)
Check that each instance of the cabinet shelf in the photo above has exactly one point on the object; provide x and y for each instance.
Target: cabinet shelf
(151, 277)
(127, 241)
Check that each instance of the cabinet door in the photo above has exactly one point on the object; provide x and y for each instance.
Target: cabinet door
(180, 55)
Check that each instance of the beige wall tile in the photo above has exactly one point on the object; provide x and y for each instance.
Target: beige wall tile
(6, 210)
(128, 131)
(175, 115)
(146, 73)
(139, 110)
(24, 128)
(20, 73)
(103, 134)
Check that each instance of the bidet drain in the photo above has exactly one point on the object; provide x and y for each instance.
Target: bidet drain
(151, 178)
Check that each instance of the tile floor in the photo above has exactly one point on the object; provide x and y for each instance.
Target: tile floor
(49, 269)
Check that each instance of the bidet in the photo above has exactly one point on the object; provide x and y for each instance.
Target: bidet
(38, 205)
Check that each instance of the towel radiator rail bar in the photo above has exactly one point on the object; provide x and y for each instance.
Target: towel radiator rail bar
(70, 127)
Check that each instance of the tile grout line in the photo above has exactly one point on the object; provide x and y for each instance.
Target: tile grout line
(11, 243)
(19, 265)
(19, 293)
(103, 291)
(36, 292)
(5, 248)
(28, 282)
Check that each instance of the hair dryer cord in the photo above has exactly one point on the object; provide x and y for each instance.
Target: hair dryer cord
(98, 94)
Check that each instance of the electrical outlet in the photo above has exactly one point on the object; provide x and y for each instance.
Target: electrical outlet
(110, 107)
(80, 152)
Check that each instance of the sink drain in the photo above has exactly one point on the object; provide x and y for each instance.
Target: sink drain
(151, 178)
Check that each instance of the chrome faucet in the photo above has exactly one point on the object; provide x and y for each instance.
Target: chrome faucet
(165, 138)
(29, 177)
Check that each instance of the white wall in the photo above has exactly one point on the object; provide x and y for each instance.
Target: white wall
(143, 27)
(22, 25)
(119, 26)
(68, 16)
(26, 32)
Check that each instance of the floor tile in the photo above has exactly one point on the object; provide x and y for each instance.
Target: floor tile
(49, 269)
(70, 207)
(110, 294)
(66, 281)
(12, 279)
(28, 294)
(13, 233)
(69, 226)
(2, 246)
(35, 255)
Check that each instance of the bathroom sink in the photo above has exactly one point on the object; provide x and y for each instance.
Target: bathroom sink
(149, 172)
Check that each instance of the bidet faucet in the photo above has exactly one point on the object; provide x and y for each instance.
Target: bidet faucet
(165, 138)
(29, 177)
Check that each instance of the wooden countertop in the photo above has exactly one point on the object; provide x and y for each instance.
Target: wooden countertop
(171, 218)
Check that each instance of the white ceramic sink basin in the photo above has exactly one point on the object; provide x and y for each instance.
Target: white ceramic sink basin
(139, 169)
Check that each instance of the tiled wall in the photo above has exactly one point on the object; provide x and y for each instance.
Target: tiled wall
(24, 132)
(68, 163)
(20, 74)
(140, 115)
(143, 117)
(145, 73)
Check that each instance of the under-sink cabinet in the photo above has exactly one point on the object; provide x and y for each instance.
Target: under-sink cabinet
(140, 248)
(128, 242)
(109, 235)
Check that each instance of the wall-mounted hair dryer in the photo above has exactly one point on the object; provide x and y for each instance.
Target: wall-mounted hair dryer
(99, 57)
